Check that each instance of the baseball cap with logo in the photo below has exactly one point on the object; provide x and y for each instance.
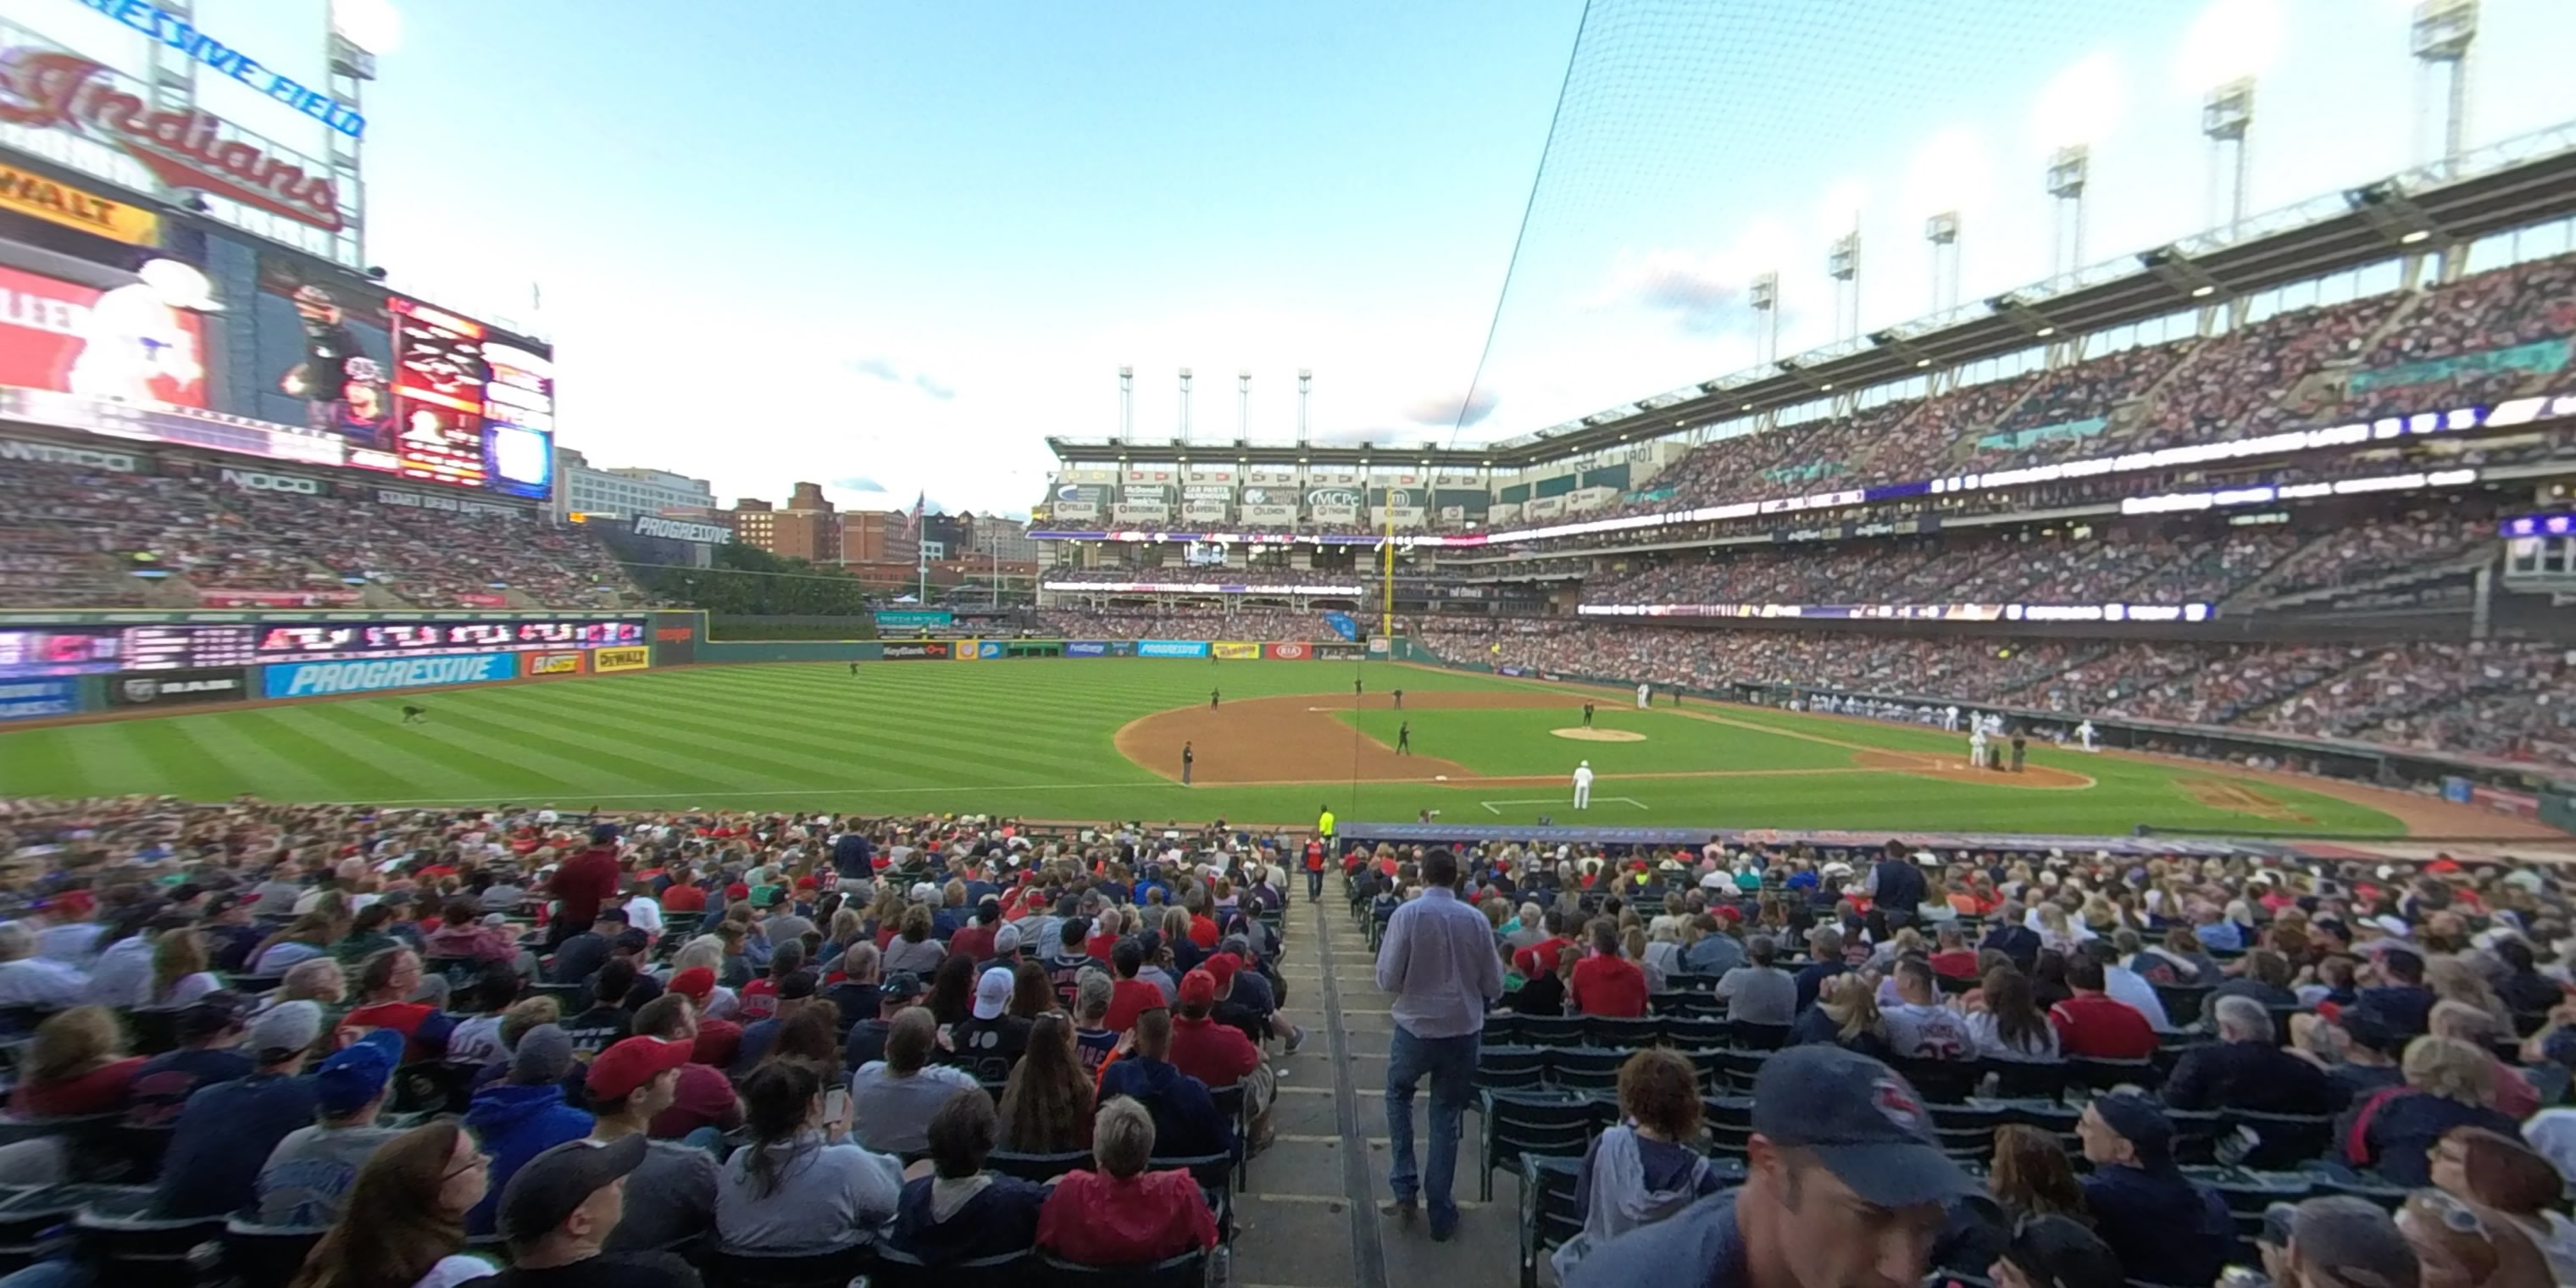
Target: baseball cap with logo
(546, 1189)
(358, 1072)
(993, 993)
(900, 986)
(1862, 1121)
(697, 984)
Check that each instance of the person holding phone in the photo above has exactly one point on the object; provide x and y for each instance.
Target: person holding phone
(801, 1186)
(671, 1195)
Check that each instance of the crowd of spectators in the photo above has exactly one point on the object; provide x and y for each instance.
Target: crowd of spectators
(86, 532)
(804, 1033)
(2369, 1030)
(2508, 700)
(1186, 623)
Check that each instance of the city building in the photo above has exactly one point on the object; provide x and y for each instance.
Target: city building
(879, 537)
(808, 527)
(583, 488)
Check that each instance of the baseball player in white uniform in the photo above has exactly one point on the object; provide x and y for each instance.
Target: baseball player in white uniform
(1977, 746)
(1583, 785)
(1950, 719)
(1645, 696)
(2084, 734)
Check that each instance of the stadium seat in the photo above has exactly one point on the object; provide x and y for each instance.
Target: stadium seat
(899, 1269)
(32, 1222)
(1729, 1120)
(140, 1150)
(730, 1268)
(151, 1031)
(1967, 1130)
(1502, 1028)
(117, 1235)
(2027, 1079)
(1038, 1167)
(1941, 1081)
(1548, 1214)
(267, 1256)
(1585, 1068)
(1520, 1124)
(2086, 1073)
(1750, 1036)
(2195, 1138)
(1188, 1270)
(1552, 1030)
(1742, 1067)
(1698, 1032)
(1685, 982)
(1234, 1104)
(2182, 1002)
(1507, 1067)
(1622, 1034)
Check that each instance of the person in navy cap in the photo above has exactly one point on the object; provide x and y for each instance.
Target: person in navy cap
(2165, 1227)
(1846, 1187)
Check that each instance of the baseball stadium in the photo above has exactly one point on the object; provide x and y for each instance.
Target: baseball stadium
(1721, 649)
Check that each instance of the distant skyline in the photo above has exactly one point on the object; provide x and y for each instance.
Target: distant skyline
(889, 248)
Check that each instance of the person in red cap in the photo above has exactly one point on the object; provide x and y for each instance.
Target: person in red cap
(672, 1194)
(703, 1096)
(718, 1040)
(1219, 1054)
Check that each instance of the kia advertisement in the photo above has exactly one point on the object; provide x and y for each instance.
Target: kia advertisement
(120, 346)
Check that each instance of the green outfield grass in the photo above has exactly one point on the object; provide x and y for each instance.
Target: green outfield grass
(1036, 738)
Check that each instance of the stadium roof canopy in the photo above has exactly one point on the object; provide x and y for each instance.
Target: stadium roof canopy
(2514, 184)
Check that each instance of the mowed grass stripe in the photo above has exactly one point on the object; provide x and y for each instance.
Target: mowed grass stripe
(246, 744)
(995, 760)
(299, 733)
(667, 724)
(425, 758)
(1046, 703)
(594, 767)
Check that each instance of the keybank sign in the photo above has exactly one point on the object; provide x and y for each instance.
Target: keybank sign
(180, 34)
(315, 679)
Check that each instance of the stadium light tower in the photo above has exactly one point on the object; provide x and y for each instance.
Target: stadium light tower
(1764, 296)
(1842, 263)
(1242, 404)
(1942, 231)
(2226, 118)
(2069, 169)
(1185, 407)
(2443, 31)
(1305, 386)
(1126, 403)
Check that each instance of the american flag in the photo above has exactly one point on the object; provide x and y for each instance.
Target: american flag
(912, 521)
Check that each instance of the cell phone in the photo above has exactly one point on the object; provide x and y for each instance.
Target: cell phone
(836, 1104)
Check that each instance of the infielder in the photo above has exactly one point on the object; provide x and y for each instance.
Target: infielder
(2084, 734)
(1645, 696)
(1583, 785)
(1977, 746)
(1950, 719)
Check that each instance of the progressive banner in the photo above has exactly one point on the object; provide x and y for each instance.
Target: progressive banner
(1171, 648)
(1236, 650)
(36, 699)
(316, 679)
(620, 659)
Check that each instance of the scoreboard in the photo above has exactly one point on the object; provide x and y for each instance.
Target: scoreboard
(86, 650)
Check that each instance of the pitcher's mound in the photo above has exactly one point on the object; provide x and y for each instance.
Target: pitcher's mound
(1580, 734)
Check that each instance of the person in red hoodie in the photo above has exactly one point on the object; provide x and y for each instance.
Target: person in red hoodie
(1130, 996)
(1605, 983)
(1219, 1054)
(2092, 1024)
(584, 882)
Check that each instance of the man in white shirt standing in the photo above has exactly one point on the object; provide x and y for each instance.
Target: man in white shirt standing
(1645, 696)
(1583, 785)
(1438, 959)
(2084, 734)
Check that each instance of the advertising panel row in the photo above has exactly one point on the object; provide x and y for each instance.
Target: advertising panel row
(1235, 650)
(917, 651)
(2192, 612)
(320, 679)
(1224, 650)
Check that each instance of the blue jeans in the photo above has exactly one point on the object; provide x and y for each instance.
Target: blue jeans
(1315, 886)
(1451, 1064)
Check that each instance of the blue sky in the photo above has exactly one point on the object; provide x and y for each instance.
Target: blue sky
(899, 243)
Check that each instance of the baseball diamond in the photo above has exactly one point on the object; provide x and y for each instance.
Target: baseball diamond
(1081, 738)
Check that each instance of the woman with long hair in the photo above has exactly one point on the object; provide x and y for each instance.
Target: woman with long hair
(799, 1185)
(2032, 1175)
(952, 990)
(1046, 1106)
(179, 974)
(812, 1034)
(403, 1222)
(305, 938)
(1846, 1015)
(2008, 1024)
(2501, 1173)
(1031, 994)
(76, 1065)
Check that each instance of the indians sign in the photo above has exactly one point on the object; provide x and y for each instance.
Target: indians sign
(42, 89)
